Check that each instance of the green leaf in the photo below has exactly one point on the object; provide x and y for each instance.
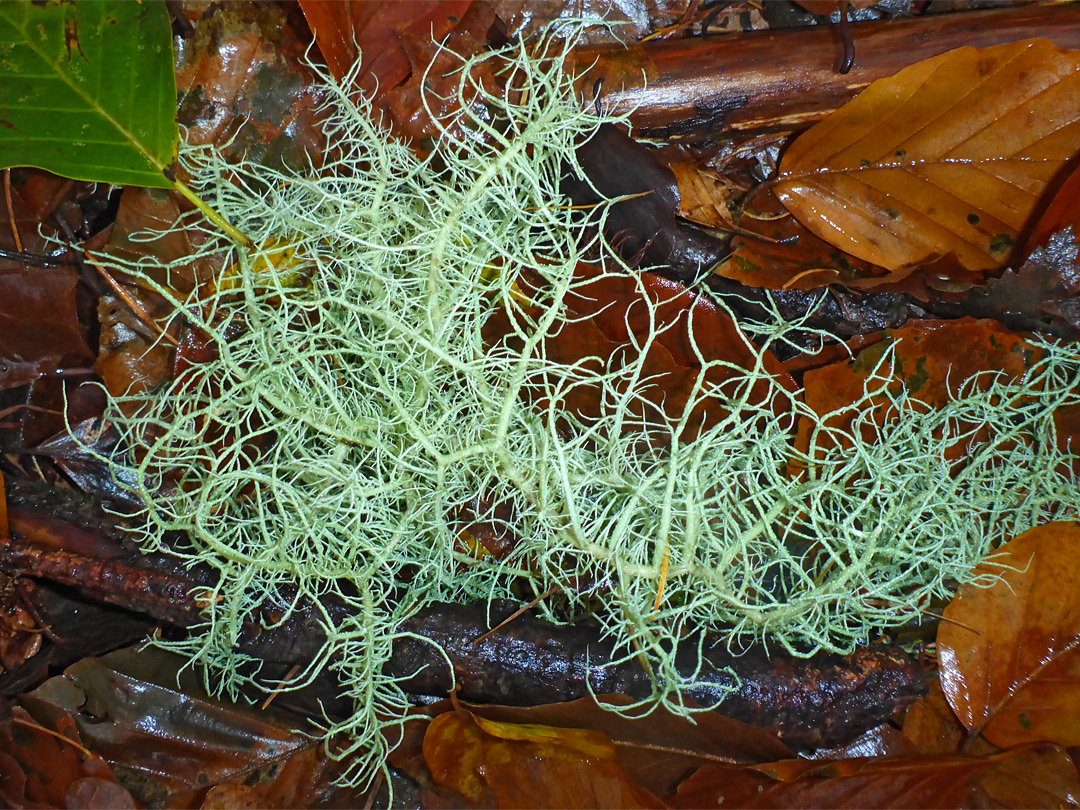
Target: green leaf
(87, 90)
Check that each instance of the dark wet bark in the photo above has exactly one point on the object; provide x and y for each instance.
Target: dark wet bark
(822, 700)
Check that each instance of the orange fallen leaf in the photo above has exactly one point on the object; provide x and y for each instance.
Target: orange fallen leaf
(516, 765)
(1010, 653)
(950, 155)
(788, 255)
(703, 196)
(930, 361)
(1035, 776)
(1062, 212)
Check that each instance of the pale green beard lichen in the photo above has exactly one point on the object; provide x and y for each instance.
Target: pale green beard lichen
(361, 365)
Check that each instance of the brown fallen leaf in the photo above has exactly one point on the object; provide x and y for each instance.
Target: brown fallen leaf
(1010, 653)
(1062, 212)
(44, 763)
(1037, 776)
(949, 156)
(607, 319)
(507, 765)
(703, 196)
(911, 781)
(39, 325)
(660, 748)
(931, 359)
(243, 84)
(788, 255)
(176, 747)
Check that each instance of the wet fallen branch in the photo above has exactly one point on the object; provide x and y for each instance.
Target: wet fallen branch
(59, 537)
(704, 87)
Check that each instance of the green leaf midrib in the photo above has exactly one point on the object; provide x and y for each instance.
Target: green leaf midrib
(61, 76)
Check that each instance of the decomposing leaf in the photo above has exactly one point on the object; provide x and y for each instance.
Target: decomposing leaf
(20, 636)
(514, 765)
(660, 748)
(930, 362)
(42, 742)
(931, 725)
(950, 155)
(88, 90)
(1010, 652)
(244, 85)
(39, 327)
(703, 196)
(34, 196)
(1038, 776)
(172, 746)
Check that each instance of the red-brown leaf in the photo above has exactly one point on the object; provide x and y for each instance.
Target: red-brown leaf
(1010, 653)
(39, 326)
(509, 765)
(931, 359)
(898, 782)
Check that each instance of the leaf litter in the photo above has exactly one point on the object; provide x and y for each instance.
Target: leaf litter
(509, 307)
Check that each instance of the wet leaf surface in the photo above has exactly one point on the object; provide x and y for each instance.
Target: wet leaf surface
(1037, 776)
(1010, 653)
(171, 747)
(659, 749)
(243, 84)
(930, 360)
(39, 325)
(1062, 212)
(912, 781)
(949, 156)
(505, 765)
(89, 91)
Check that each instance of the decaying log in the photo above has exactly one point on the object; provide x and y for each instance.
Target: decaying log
(809, 702)
(699, 87)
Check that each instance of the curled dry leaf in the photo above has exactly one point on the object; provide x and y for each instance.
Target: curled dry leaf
(1010, 653)
(703, 196)
(949, 156)
(498, 764)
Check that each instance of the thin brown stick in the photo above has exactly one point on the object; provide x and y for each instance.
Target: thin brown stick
(517, 613)
(133, 305)
(11, 211)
